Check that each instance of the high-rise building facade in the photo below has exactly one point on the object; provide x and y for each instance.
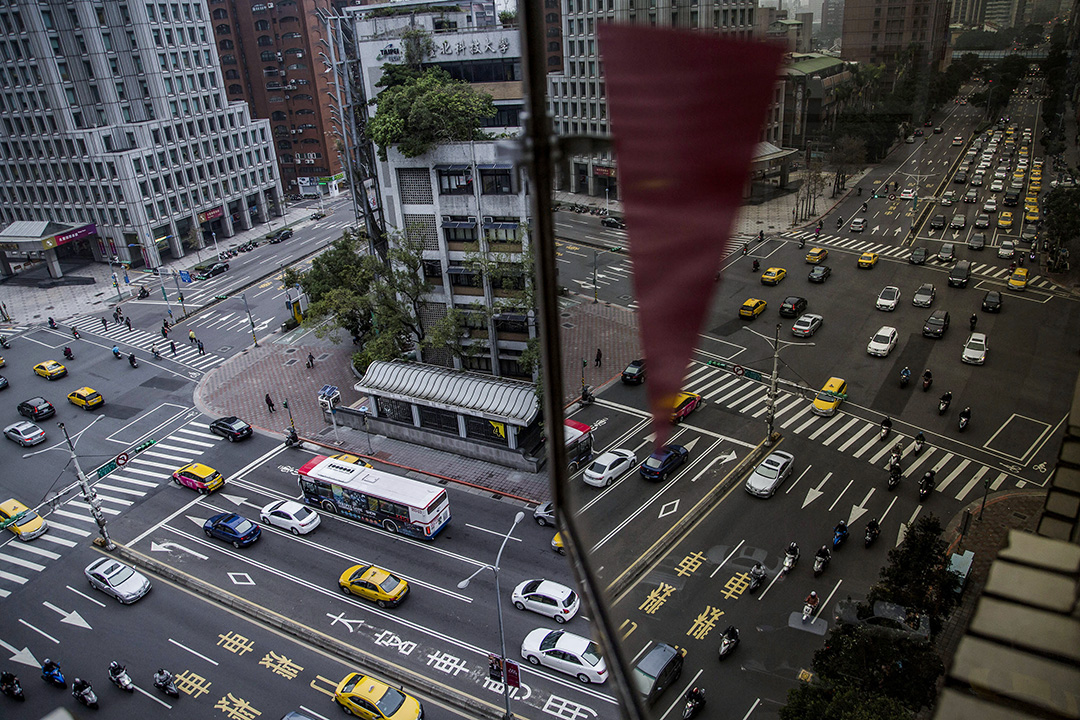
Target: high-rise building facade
(114, 115)
(577, 96)
(882, 32)
(270, 59)
(467, 205)
(832, 18)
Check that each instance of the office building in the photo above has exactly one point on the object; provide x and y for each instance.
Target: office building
(115, 122)
(882, 34)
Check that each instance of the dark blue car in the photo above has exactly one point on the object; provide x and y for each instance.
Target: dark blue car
(663, 462)
(233, 528)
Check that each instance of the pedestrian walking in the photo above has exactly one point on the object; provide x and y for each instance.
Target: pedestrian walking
(201, 351)
(116, 315)
(191, 337)
(104, 324)
(269, 403)
(120, 312)
(127, 321)
(599, 357)
(310, 360)
(172, 346)
(164, 334)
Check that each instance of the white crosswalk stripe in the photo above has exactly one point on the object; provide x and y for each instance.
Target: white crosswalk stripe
(849, 434)
(71, 524)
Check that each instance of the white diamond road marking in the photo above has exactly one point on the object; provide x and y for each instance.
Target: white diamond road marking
(241, 578)
(668, 508)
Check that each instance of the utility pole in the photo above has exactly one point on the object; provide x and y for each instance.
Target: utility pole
(777, 345)
(88, 494)
(243, 297)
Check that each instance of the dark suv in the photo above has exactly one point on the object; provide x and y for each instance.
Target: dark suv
(936, 324)
(792, 307)
(37, 408)
(659, 668)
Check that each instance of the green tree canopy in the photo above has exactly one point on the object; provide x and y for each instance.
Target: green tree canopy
(822, 702)
(1061, 211)
(918, 576)
(419, 113)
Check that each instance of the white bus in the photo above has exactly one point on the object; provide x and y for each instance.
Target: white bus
(395, 503)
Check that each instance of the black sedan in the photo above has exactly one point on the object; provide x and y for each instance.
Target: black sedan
(281, 235)
(37, 408)
(232, 428)
(613, 222)
(208, 271)
(634, 374)
(917, 256)
(663, 462)
(992, 302)
(819, 274)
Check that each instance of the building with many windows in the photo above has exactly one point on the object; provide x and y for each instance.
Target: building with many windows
(270, 59)
(467, 205)
(883, 33)
(114, 119)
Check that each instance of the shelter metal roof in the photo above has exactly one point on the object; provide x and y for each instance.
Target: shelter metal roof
(510, 401)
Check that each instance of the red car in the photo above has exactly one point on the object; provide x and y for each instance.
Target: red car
(685, 403)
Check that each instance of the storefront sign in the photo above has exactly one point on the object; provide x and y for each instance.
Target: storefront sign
(212, 214)
(604, 171)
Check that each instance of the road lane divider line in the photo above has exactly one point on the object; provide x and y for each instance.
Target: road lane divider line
(791, 486)
(840, 495)
(194, 652)
(724, 561)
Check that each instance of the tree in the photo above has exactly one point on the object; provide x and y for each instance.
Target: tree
(813, 701)
(1061, 210)
(432, 108)
(918, 576)
(875, 662)
(847, 155)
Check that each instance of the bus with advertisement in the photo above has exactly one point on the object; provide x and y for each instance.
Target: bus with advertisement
(395, 503)
(579, 443)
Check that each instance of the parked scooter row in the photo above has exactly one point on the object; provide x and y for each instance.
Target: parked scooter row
(81, 689)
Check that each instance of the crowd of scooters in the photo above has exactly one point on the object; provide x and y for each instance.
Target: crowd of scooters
(81, 689)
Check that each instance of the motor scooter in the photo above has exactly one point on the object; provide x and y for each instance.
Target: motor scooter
(790, 559)
(729, 641)
(926, 485)
(695, 700)
(68, 355)
(166, 684)
(53, 675)
(292, 439)
(86, 696)
(10, 686)
(121, 679)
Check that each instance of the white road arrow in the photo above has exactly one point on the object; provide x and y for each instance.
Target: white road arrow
(690, 445)
(234, 499)
(169, 546)
(71, 618)
(724, 459)
(901, 534)
(23, 656)
(814, 493)
(340, 618)
(875, 228)
(955, 234)
(897, 231)
(857, 511)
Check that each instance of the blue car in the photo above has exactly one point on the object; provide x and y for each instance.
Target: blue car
(663, 462)
(233, 528)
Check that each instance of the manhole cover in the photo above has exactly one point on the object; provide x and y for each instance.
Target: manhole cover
(291, 361)
(290, 351)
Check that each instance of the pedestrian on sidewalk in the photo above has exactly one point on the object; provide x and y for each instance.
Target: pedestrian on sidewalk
(191, 337)
(599, 357)
(172, 346)
(104, 324)
(127, 321)
(201, 351)
(310, 360)
(269, 403)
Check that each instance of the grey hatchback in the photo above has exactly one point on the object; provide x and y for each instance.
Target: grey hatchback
(659, 669)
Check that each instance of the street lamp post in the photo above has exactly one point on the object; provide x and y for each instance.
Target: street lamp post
(214, 236)
(498, 606)
(778, 345)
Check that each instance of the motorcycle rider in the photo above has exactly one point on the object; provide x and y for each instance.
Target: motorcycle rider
(49, 666)
(965, 414)
(131, 360)
(812, 598)
(116, 350)
(162, 677)
(52, 323)
(80, 686)
(155, 352)
(840, 529)
(823, 554)
(757, 265)
(731, 634)
(974, 321)
(839, 223)
(116, 670)
(68, 355)
(757, 572)
(927, 480)
(695, 695)
(7, 680)
(947, 398)
(792, 550)
(864, 207)
(927, 377)
(905, 375)
(886, 424)
(872, 527)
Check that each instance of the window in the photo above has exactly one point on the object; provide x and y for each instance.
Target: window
(455, 180)
(264, 41)
(496, 181)
(268, 56)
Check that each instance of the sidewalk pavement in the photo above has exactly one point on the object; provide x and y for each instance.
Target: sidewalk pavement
(88, 286)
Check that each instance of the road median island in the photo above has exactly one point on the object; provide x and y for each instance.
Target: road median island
(364, 661)
(633, 573)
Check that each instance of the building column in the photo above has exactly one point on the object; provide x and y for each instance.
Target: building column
(176, 243)
(245, 214)
(227, 231)
(53, 264)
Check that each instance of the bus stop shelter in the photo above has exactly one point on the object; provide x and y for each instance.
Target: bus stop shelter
(480, 416)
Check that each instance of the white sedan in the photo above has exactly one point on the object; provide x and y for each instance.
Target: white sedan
(975, 349)
(609, 467)
(548, 598)
(888, 298)
(565, 652)
(883, 342)
(290, 515)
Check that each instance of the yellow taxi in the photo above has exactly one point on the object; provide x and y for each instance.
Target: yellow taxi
(830, 397)
(50, 370)
(351, 459)
(368, 698)
(27, 524)
(1019, 279)
(1023, 151)
(3, 362)
(1035, 186)
(375, 584)
(685, 403)
(868, 260)
(86, 397)
(773, 276)
(1031, 215)
(199, 477)
(816, 255)
(1005, 220)
(1019, 175)
(557, 544)
(752, 308)
(1031, 200)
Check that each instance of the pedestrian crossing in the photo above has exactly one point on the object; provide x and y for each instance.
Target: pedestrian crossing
(71, 524)
(142, 341)
(848, 434)
(897, 252)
